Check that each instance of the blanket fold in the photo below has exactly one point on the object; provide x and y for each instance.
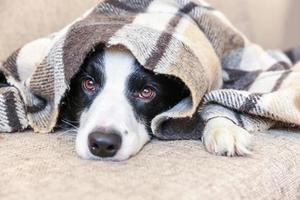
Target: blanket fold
(188, 39)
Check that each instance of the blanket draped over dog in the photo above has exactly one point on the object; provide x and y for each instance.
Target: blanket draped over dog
(227, 75)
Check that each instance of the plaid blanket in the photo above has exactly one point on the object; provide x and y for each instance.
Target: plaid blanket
(227, 75)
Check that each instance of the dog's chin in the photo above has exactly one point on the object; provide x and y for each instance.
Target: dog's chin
(131, 145)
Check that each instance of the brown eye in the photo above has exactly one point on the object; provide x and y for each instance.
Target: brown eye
(89, 85)
(147, 93)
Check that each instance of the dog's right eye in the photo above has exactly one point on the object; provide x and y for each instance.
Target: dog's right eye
(89, 85)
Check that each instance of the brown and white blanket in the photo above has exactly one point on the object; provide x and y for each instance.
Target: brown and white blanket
(227, 74)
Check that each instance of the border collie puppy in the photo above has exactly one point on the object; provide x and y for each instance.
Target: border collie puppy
(113, 100)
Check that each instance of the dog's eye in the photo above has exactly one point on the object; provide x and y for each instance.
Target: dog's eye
(146, 93)
(89, 85)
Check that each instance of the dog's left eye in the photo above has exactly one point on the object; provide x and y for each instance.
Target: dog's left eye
(89, 85)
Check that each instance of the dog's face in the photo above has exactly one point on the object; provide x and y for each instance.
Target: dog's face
(114, 100)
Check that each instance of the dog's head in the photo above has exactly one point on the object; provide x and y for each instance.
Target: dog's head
(114, 100)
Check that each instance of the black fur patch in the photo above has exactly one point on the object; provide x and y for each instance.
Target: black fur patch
(169, 91)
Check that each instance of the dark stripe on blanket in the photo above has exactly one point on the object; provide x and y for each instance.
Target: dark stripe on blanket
(279, 66)
(12, 116)
(45, 74)
(166, 37)
(82, 37)
(294, 54)
(131, 6)
(250, 102)
(11, 66)
(239, 79)
(280, 81)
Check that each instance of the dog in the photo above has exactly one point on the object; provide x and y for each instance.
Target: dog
(113, 99)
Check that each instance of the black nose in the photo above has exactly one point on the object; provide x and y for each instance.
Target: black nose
(104, 145)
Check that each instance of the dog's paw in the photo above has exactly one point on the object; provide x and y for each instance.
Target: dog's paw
(222, 137)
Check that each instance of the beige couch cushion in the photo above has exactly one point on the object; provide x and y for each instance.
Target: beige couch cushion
(46, 166)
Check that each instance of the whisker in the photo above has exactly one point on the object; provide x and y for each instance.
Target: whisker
(69, 124)
(70, 121)
(68, 132)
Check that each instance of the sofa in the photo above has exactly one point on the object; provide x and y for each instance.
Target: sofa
(46, 166)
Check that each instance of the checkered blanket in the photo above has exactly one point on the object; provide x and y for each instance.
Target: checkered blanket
(227, 75)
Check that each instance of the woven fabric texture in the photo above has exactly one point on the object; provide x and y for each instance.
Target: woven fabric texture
(35, 166)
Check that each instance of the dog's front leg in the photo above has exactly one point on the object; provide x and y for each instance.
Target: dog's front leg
(227, 132)
(223, 137)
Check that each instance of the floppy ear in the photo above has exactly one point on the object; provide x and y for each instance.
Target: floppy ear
(181, 128)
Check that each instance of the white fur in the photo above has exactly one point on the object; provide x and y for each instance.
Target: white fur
(222, 137)
(112, 110)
